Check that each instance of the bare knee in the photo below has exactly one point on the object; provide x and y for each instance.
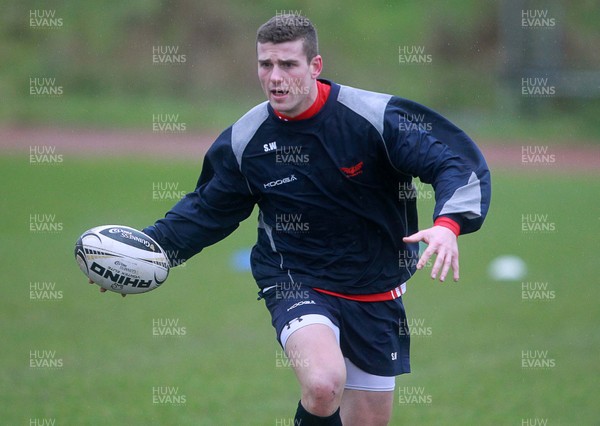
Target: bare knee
(319, 366)
(366, 408)
(322, 392)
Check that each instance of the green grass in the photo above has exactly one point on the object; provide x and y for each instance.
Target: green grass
(124, 112)
(225, 364)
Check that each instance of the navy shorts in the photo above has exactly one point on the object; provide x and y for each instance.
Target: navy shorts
(373, 335)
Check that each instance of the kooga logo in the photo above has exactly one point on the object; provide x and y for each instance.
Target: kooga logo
(280, 181)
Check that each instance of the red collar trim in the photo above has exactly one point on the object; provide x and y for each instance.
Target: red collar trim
(322, 95)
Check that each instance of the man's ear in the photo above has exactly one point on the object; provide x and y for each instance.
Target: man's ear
(316, 66)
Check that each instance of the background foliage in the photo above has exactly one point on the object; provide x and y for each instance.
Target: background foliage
(102, 55)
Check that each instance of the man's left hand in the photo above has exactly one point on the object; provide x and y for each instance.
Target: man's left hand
(441, 241)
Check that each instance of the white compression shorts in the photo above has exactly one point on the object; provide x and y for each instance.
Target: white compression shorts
(356, 378)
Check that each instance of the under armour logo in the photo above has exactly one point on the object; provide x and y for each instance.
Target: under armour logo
(289, 323)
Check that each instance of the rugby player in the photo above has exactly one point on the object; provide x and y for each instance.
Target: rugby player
(330, 168)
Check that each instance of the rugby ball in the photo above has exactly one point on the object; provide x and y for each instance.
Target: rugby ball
(121, 259)
(507, 268)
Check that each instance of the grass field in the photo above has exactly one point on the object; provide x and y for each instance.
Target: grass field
(102, 364)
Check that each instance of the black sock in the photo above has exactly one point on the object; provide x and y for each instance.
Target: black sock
(304, 418)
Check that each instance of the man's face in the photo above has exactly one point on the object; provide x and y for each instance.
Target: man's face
(288, 80)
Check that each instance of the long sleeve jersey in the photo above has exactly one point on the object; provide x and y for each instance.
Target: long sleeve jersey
(334, 191)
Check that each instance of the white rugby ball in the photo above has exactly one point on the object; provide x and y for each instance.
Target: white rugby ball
(121, 259)
(507, 268)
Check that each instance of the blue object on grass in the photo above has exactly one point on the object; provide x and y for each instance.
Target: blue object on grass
(240, 260)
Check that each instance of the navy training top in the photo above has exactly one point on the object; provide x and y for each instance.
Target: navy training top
(335, 191)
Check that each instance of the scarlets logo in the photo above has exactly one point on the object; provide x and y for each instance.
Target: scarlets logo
(353, 170)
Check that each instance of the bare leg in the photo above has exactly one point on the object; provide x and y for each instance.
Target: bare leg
(319, 366)
(361, 408)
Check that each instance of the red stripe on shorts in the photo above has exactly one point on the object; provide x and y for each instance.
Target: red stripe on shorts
(375, 297)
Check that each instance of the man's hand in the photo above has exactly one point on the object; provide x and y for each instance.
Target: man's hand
(102, 289)
(443, 242)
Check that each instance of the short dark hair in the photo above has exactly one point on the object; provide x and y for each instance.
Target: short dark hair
(290, 27)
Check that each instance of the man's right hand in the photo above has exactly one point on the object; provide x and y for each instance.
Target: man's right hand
(102, 289)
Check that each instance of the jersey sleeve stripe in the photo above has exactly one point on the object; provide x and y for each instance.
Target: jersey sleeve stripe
(245, 128)
(369, 105)
(466, 200)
